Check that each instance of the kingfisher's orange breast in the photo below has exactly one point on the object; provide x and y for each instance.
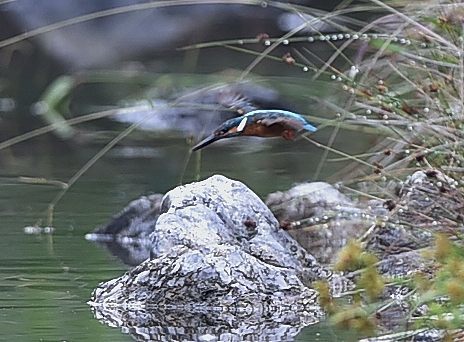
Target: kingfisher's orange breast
(258, 130)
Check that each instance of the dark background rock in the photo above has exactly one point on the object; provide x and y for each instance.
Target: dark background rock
(148, 33)
(127, 234)
(319, 217)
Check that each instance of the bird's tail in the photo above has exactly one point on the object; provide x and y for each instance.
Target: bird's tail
(309, 128)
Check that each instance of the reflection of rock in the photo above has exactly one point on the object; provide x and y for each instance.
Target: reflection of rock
(319, 217)
(216, 246)
(127, 235)
(211, 324)
(199, 111)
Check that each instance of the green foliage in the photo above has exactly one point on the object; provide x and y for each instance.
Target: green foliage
(444, 293)
(358, 313)
(352, 257)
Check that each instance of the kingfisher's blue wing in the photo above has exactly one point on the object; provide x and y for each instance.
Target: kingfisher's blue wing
(287, 119)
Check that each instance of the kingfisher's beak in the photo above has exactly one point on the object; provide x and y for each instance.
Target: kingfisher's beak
(205, 142)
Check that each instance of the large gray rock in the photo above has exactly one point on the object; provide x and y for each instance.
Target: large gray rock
(219, 211)
(216, 246)
(220, 259)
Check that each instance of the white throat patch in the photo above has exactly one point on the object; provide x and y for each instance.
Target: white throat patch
(242, 124)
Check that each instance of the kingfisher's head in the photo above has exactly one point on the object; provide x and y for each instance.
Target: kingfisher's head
(231, 128)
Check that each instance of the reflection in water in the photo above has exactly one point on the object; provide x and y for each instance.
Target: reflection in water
(131, 252)
(218, 324)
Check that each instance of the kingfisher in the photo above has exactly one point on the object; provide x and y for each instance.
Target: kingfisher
(261, 123)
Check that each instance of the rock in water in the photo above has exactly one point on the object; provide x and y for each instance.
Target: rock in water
(127, 234)
(216, 248)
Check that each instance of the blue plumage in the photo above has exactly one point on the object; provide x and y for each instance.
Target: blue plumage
(261, 123)
(279, 114)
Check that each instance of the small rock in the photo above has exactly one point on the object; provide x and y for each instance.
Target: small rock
(318, 216)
